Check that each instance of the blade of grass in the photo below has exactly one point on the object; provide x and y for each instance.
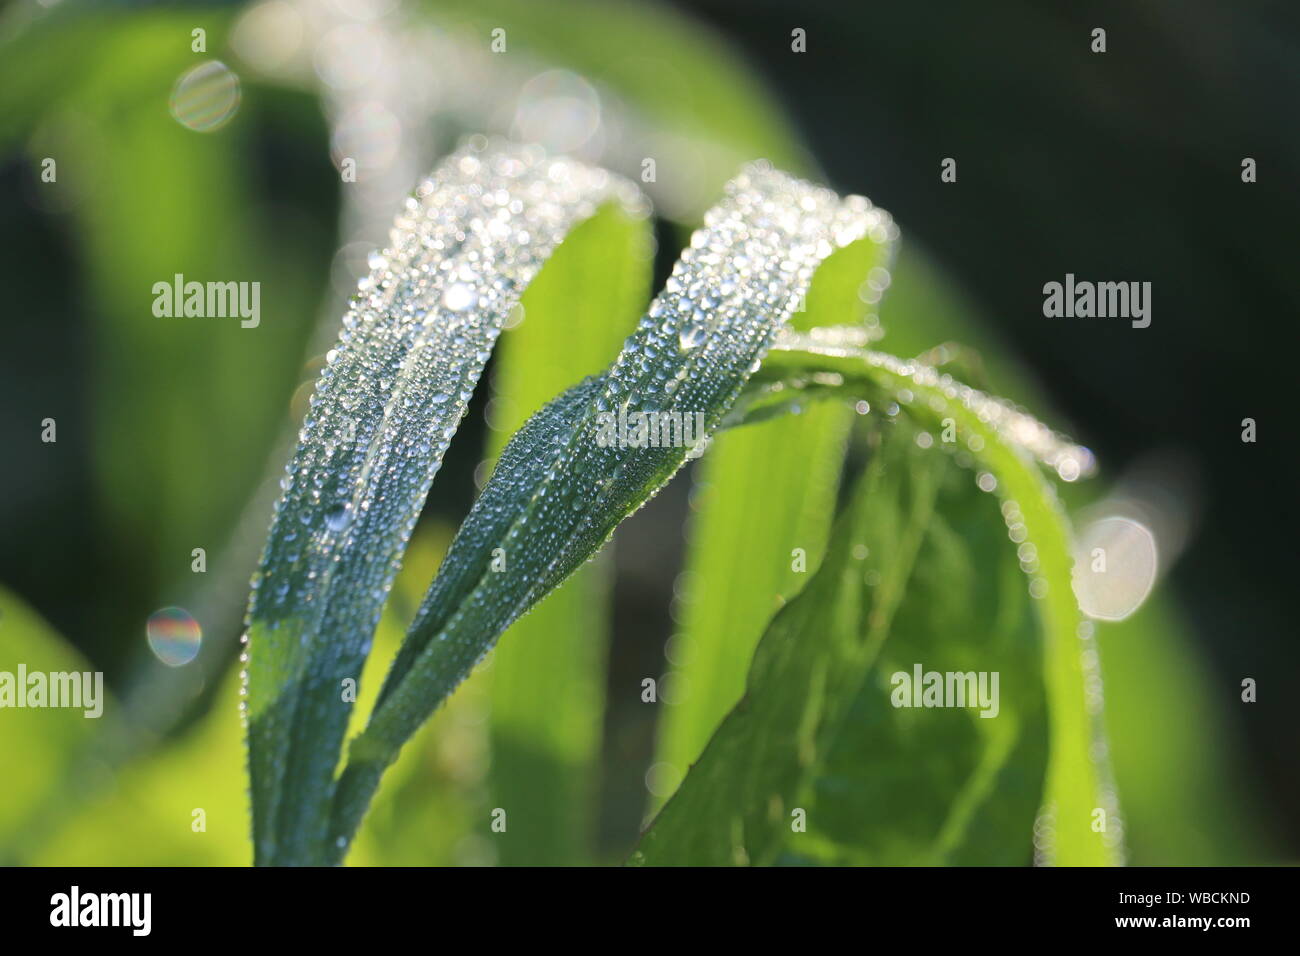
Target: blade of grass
(740, 570)
(815, 764)
(385, 408)
(547, 674)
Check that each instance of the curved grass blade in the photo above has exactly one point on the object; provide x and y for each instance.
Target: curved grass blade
(815, 764)
(738, 571)
(959, 785)
(412, 348)
(547, 679)
(1005, 442)
(567, 480)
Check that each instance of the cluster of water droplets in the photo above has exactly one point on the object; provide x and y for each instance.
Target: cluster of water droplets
(558, 491)
(1016, 427)
(395, 386)
(1099, 749)
(412, 347)
(731, 291)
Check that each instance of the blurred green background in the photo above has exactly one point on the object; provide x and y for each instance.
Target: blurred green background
(171, 433)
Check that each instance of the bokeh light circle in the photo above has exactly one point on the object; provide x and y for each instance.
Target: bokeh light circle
(174, 636)
(1115, 567)
(559, 110)
(662, 779)
(205, 98)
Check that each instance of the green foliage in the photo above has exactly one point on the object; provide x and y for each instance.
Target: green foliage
(815, 729)
(565, 481)
(384, 411)
(814, 761)
(90, 87)
(1077, 779)
(43, 744)
(739, 570)
(677, 77)
(546, 742)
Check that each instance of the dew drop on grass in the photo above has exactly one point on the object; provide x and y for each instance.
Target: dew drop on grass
(339, 517)
(459, 297)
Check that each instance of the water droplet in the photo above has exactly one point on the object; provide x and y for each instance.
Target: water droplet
(339, 517)
(690, 337)
(459, 296)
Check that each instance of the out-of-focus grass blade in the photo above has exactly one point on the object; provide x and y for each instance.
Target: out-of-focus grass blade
(40, 746)
(90, 90)
(580, 466)
(674, 92)
(547, 674)
(385, 408)
(739, 570)
(814, 763)
(183, 804)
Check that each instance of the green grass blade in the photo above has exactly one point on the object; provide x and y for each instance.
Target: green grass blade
(816, 764)
(385, 408)
(734, 805)
(956, 786)
(741, 569)
(547, 677)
